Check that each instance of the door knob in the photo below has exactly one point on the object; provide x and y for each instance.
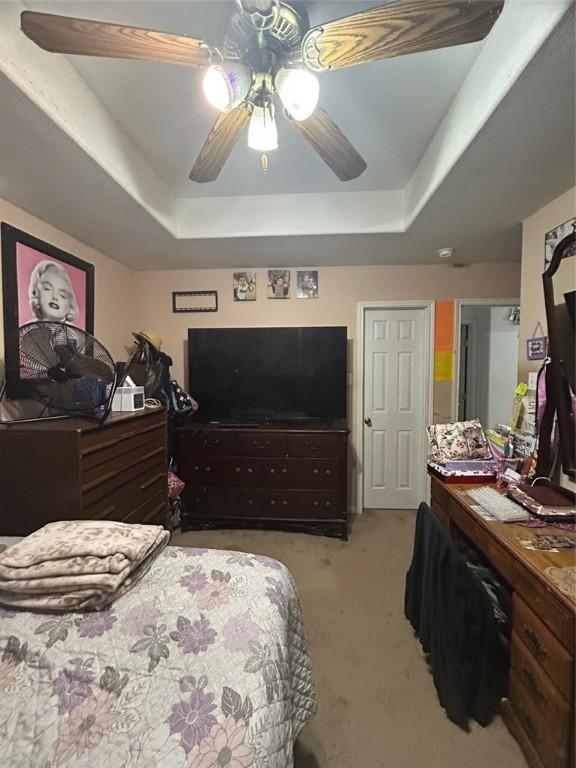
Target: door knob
(368, 421)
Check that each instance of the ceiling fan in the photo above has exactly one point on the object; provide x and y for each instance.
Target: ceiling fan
(269, 50)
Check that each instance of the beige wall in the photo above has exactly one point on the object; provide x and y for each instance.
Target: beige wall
(341, 289)
(531, 292)
(113, 289)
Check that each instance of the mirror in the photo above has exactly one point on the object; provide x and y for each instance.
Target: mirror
(559, 295)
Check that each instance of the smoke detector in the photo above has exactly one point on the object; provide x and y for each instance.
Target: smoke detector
(445, 253)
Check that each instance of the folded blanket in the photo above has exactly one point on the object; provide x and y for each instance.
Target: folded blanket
(77, 564)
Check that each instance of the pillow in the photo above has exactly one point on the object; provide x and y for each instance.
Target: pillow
(460, 440)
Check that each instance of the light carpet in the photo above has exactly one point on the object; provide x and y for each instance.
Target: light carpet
(377, 703)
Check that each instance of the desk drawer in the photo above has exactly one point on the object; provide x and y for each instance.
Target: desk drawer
(539, 688)
(554, 753)
(544, 647)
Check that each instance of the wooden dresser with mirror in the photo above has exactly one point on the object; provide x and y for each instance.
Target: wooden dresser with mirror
(539, 710)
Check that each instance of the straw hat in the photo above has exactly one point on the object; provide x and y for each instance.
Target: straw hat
(152, 338)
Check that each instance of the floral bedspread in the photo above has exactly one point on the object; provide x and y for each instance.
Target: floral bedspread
(203, 664)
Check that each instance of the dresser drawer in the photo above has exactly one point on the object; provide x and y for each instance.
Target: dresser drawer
(261, 444)
(314, 446)
(152, 512)
(544, 647)
(105, 453)
(220, 502)
(200, 470)
(553, 752)
(119, 503)
(117, 433)
(243, 473)
(201, 442)
(119, 474)
(301, 504)
(539, 688)
(300, 473)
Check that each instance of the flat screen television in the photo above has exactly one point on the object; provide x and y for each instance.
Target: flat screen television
(275, 374)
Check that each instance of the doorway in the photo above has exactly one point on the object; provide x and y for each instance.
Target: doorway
(487, 365)
(395, 394)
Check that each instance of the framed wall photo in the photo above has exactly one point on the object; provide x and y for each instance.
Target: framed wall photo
(40, 282)
(244, 286)
(278, 283)
(307, 284)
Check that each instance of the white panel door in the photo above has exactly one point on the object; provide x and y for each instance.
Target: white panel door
(395, 385)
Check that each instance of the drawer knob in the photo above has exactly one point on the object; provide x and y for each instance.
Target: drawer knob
(196, 467)
(211, 443)
(328, 504)
(237, 469)
(284, 471)
(316, 503)
(208, 469)
(284, 502)
(250, 470)
(272, 502)
(315, 471)
(328, 471)
(250, 501)
(311, 447)
(534, 642)
(257, 444)
(272, 470)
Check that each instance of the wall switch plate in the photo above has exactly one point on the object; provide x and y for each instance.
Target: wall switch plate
(532, 379)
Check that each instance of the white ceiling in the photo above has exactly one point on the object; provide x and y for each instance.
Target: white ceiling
(461, 145)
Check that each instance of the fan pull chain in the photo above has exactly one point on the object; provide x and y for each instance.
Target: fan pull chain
(264, 163)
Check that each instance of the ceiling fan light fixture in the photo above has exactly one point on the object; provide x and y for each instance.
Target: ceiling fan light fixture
(262, 131)
(299, 91)
(226, 85)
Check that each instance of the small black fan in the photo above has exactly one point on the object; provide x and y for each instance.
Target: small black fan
(66, 369)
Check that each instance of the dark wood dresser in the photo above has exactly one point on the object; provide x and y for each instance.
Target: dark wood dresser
(283, 476)
(69, 469)
(539, 710)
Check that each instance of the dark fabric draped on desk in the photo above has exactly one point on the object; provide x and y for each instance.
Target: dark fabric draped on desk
(453, 615)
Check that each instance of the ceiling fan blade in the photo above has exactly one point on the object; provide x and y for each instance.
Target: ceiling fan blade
(397, 28)
(220, 142)
(63, 34)
(327, 139)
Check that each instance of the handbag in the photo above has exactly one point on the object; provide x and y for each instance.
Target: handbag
(145, 371)
(181, 403)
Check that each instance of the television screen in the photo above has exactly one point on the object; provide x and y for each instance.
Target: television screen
(250, 374)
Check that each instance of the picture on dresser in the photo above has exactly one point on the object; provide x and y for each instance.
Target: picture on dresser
(278, 283)
(307, 284)
(244, 286)
(40, 282)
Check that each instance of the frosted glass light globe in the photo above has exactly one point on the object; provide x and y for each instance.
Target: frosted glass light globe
(299, 91)
(262, 131)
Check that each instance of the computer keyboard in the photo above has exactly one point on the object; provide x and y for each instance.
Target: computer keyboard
(503, 509)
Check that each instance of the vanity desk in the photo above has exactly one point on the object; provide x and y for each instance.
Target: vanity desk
(539, 710)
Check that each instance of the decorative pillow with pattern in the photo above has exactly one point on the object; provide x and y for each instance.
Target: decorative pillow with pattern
(460, 440)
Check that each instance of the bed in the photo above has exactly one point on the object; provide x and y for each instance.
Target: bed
(202, 664)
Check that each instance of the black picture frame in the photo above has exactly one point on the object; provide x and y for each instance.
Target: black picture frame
(194, 301)
(14, 275)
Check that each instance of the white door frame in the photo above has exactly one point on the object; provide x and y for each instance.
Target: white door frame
(457, 323)
(358, 423)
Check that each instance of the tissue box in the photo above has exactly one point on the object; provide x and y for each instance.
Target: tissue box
(128, 399)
